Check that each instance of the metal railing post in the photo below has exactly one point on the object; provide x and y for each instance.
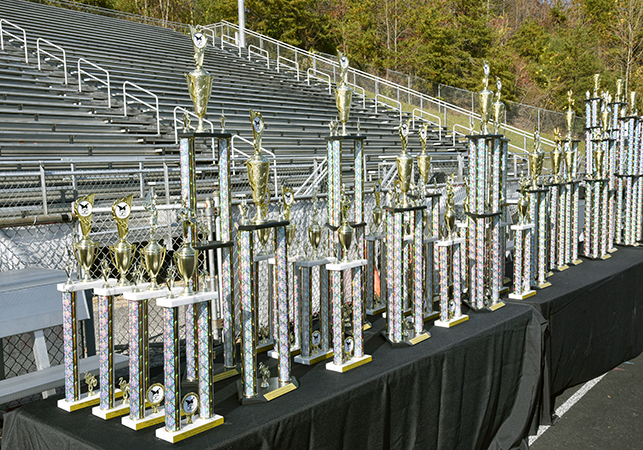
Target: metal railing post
(141, 179)
(43, 187)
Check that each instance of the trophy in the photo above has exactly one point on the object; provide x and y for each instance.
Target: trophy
(523, 248)
(424, 160)
(498, 108)
(153, 254)
(536, 159)
(288, 199)
(343, 93)
(377, 210)
(187, 257)
(345, 231)
(85, 249)
(123, 251)
(404, 165)
(569, 115)
(199, 81)
(258, 168)
(486, 99)
(556, 157)
(314, 230)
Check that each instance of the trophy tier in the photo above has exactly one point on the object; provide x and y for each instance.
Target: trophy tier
(213, 245)
(536, 191)
(487, 214)
(474, 137)
(261, 226)
(410, 208)
(350, 137)
(190, 134)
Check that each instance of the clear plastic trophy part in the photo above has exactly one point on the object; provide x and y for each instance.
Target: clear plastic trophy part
(522, 248)
(343, 93)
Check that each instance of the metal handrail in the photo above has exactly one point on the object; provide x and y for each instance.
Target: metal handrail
(294, 66)
(153, 108)
(249, 142)
(517, 150)
(260, 54)
(229, 42)
(190, 113)
(322, 169)
(93, 77)
(24, 36)
(378, 96)
(313, 71)
(356, 88)
(63, 60)
(421, 117)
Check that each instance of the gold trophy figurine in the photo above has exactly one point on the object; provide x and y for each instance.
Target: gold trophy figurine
(315, 230)
(404, 164)
(288, 199)
(343, 93)
(498, 108)
(199, 81)
(486, 99)
(523, 203)
(85, 249)
(449, 214)
(378, 212)
(187, 257)
(123, 251)
(424, 160)
(569, 114)
(153, 254)
(536, 159)
(556, 156)
(345, 231)
(258, 168)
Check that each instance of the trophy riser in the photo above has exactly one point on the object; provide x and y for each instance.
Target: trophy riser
(348, 365)
(273, 391)
(149, 420)
(83, 402)
(187, 430)
(411, 340)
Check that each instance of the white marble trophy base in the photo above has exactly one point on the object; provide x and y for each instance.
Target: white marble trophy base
(146, 295)
(344, 265)
(451, 323)
(118, 410)
(522, 296)
(187, 430)
(182, 300)
(431, 316)
(147, 421)
(81, 285)
(348, 365)
(316, 262)
(275, 355)
(83, 402)
(116, 290)
(315, 358)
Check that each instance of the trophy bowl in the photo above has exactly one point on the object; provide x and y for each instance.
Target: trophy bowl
(345, 234)
(290, 233)
(404, 168)
(569, 162)
(598, 163)
(535, 166)
(122, 256)
(377, 217)
(200, 87)
(424, 164)
(186, 259)
(314, 236)
(556, 160)
(85, 253)
(153, 257)
(343, 97)
(258, 171)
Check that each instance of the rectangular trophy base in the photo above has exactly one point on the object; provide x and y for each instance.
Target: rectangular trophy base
(562, 268)
(119, 410)
(266, 394)
(82, 402)
(366, 326)
(577, 261)
(606, 256)
(375, 311)
(147, 421)
(451, 323)
(410, 341)
(274, 354)
(549, 274)
(224, 374)
(348, 365)
(612, 250)
(496, 306)
(188, 430)
(504, 290)
(266, 345)
(317, 357)
(543, 285)
(431, 316)
(522, 296)
(506, 280)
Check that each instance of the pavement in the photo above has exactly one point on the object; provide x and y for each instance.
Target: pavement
(605, 413)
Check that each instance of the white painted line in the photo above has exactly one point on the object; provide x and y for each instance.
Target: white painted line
(571, 401)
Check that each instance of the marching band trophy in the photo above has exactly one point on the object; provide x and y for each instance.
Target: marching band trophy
(615, 205)
(405, 236)
(336, 145)
(122, 256)
(346, 319)
(487, 186)
(557, 208)
(376, 257)
(141, 393)
(430, 223)
(85, 253)
(522, 248)
(315, 345)
(573, 187)
(248, 390)
(630, 173)
(538, 215)
(451, 251)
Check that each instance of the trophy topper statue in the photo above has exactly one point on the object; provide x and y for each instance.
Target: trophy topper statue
(633, 109)
(258, 167)
(150, 207)
(523, 203)
(199, 81)
(569, 114)
(606, 110)
(498, 108)
(343, 93)
(536, 159)
(121, 210)
(556, 156)
(597, 84)
(619, 91)
(404, 163)
(486, 98)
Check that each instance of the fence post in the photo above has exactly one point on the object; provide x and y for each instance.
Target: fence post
(166, 179)
(141, 178)
(74, 186)
(43, 187)
(515, 165)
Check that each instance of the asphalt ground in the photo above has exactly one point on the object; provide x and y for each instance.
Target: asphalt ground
(604, 413)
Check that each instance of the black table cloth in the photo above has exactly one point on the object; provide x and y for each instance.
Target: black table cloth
(475, 386)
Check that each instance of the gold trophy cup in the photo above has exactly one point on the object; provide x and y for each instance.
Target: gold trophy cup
(199, 80)
(85, 249)
(556, 156)
(314, 230)
(345, 231)
(288, 199)
(378, 212)
(498, 108)
(486, 100)
(187, 257)
(343, 93)
(153, 254)
(536, 159)
(404, 163)
(258, 168)
(123, 251)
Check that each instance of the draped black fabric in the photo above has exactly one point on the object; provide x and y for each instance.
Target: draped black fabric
(595, 317)
(475, 386)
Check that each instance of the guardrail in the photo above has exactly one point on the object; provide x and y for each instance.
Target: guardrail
(95, 78)
(421, 117)
(260, 52)
(23, 39)
(318, 174)
(138, 100)
(177, 122)
(314, 71)
(249, 142)
(294, 66)
(62, 60)
(377, 101)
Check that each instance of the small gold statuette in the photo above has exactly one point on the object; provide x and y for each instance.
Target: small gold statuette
(104, 270)
(343, 93)
(124, 387)
(171, 279)
(536, 159)
(243, 209)
(138, 277)
(404, 163)
(258, 168)
(123, 251)
(498, 108)
(90, 381)
(523, 203)
(155, 395)
(264, 372)
(85, 249)
(486, 99)
(377, 210)
(556, 156)
(199, 80)
(153, 255)
(345, 231)
(449, 213)
(597, 84)
(569, 115)
(315, 230)
(190, 405)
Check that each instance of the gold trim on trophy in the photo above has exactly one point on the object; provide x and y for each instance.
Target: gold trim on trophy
(85, 250)
(345, 231)
(123, 251)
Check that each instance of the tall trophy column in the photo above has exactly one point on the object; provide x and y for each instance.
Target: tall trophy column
(629, 174)
(376, 257)
(522, 249)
